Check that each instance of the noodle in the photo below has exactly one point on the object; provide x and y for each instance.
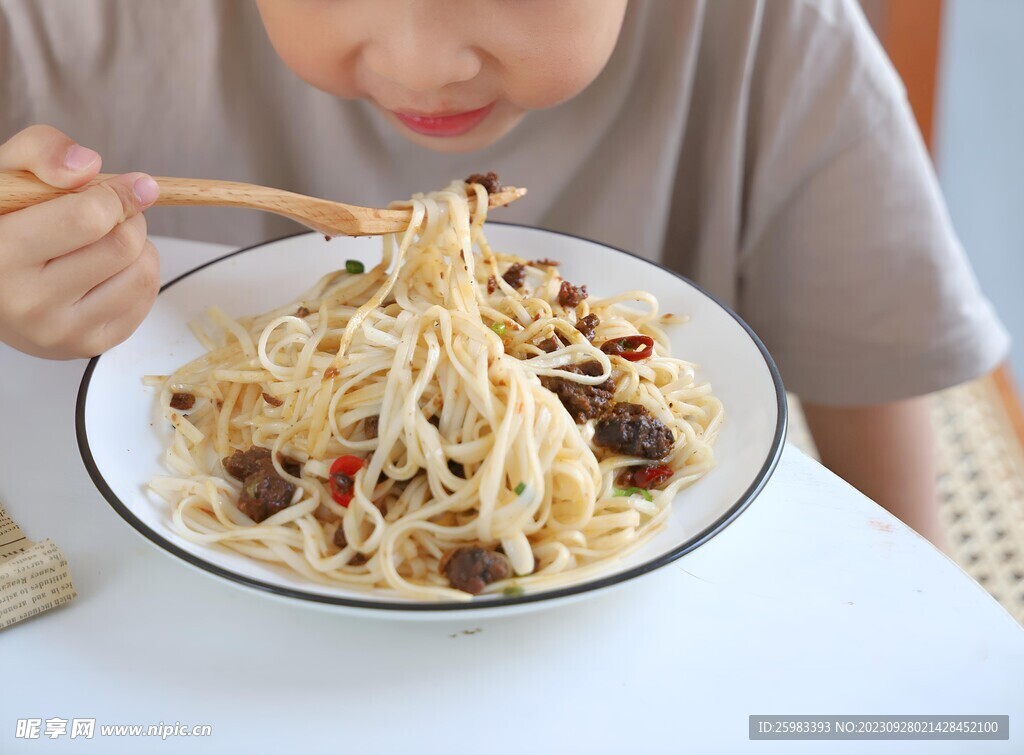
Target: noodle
(446, 357)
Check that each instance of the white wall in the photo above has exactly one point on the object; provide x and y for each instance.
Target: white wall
(979, 147)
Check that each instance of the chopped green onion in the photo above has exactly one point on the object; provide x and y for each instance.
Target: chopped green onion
(499, 328)
(354, 267)
(624, 492)
(512, 591)
(520, 488)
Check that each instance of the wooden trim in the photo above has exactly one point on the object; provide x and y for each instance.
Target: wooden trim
(1007, 389)
(911, 32)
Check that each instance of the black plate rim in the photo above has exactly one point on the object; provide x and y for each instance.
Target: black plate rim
(770, 463)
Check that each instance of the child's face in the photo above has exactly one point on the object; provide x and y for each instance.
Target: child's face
(451, 75)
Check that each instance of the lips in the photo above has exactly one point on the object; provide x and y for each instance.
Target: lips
(448, 124)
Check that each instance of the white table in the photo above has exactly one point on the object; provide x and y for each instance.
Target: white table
(815, 601)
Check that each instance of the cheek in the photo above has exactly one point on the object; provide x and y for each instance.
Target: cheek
(546, 84)
(307, 39)
(555, 62)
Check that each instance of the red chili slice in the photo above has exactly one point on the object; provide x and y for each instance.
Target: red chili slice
(651, 476)
(630, 348)
(342, 478)
(644, 477)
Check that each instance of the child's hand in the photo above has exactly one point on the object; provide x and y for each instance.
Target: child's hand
(77, 274)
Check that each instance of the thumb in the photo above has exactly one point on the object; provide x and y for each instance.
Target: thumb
(134, 193)
(103, 206)
(51, 155)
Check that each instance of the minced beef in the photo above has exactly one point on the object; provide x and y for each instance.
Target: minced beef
(371, 425)
(515, 275)
(488, 180)
(183, 401)
(550, 344)
(631, 430)
(241, 464)
(570, 295)
(582, 401)
(587, 325)
(264, 491)
(472, 568)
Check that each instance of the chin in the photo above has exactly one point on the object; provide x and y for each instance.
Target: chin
(491, 130)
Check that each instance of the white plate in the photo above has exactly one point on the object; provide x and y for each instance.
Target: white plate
(122, 437)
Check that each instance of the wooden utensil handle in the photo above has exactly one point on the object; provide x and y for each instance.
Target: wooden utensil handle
(20, 189)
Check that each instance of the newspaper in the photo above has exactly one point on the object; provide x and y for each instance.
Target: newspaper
(34, 577)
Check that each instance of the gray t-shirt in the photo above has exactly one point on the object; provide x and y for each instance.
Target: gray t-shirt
(763, 148)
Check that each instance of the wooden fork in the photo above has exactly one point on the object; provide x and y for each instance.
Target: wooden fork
(20, 189)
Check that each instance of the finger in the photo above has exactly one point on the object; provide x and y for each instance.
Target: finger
(114, 309)
(51, 155)
(51, 229)
(73, 275)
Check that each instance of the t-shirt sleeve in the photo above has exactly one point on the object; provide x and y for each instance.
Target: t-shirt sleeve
(849, 268)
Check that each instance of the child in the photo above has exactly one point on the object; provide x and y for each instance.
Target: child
(763, 148)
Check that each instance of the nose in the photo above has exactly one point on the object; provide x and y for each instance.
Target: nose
(422, 51)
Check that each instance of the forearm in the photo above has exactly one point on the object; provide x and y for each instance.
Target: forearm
(886, 452)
